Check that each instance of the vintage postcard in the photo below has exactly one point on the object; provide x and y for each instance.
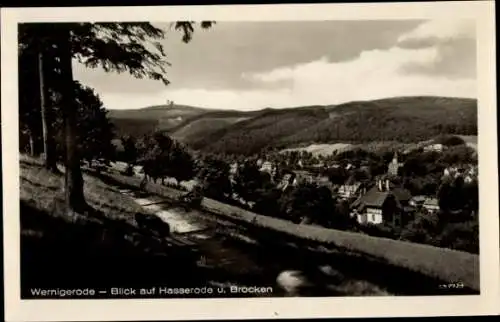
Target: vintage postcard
(266, 161)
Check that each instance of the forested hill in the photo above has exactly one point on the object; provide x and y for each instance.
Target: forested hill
(140, 121)
(403, 119)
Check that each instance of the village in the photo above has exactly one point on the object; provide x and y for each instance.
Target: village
(381, 199)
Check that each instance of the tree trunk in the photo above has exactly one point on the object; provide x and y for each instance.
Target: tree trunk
(48, 134)
(75, 200)
(32, 145)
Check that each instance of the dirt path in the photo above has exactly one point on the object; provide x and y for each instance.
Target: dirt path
(232, 257)
(225, 265)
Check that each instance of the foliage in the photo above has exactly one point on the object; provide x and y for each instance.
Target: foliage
(459, 154)
(449, 140)
(337, 175)
(409, 119)
(214, 175)
(30, 125)
(130, 152)
(94, 129)
(163, 157)
(129, 46)
(248, 180)
(268, 201)
(452, 195)
(423, 229)
(309, 203)
(462, 236)
(95, 132)
(133, 47)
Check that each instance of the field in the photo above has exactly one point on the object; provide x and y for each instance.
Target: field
(322, 149)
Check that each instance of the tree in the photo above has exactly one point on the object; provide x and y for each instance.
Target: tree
(47, 119)
(155, 155)
(214, 176)
(95, 131)
(248, 181)
(267, 202)
(74, 197)
(450, 140)
(451, 195)
(180, 164)
(30, 125)
(35, 50)
(309, 204)
(342, 219)
(337, 175)
(461, 236)
(130, 152)
(114, 47)
(423, 229)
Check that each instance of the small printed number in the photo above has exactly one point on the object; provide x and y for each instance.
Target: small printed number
(452, 285)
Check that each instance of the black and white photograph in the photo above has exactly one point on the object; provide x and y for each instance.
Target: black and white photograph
(242, 159)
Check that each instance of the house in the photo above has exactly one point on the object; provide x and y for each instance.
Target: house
(233, 168)
(431, 205)
(451, 172)
(394, 166)
(288, 180)
(417, 201)
(304, 176)
(349, 190)
(270, 168)
(381, 204)
(468, 172)
(318, 165)
(267, 166)
(438, 147)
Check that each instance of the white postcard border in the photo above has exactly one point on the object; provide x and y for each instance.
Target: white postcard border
(181, 309)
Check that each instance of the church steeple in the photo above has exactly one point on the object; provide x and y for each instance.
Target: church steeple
(393, 167)
(395, 158)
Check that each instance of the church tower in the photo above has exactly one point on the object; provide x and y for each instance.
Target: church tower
(393, 167)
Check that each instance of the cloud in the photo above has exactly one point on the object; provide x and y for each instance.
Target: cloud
(431, 58)
(437, 30)
(374, 74)
(455, 42)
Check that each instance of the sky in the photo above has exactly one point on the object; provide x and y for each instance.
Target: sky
(255, 65)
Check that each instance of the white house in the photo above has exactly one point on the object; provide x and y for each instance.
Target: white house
(417, 201)
(347, 191)
(431, 205)
(382, 204)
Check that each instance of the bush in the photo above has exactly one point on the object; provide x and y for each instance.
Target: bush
(450, 140)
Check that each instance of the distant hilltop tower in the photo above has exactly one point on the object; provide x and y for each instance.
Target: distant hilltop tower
(170, 103)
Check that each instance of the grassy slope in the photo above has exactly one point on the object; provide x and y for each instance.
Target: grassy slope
(103, 247)
(436, 263)
(141, 121)
(157, 112)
